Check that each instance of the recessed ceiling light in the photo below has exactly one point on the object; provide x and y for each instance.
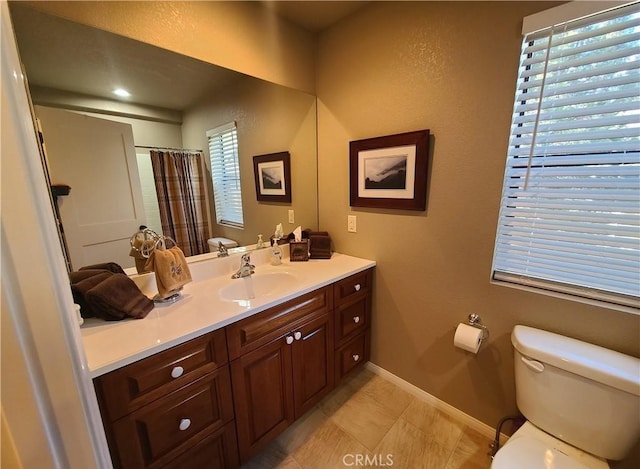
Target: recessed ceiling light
(121, 92)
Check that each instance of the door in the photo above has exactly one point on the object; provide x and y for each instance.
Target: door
(97, 159)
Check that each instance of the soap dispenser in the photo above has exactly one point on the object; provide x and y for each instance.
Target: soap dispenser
(276, 253)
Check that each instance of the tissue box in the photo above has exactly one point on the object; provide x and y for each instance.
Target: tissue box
(299, 250)
(319, 245)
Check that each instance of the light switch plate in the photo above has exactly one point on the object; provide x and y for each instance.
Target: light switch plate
(351, 223)
(291, 217)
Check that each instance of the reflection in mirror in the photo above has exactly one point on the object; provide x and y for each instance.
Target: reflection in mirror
(99, 145)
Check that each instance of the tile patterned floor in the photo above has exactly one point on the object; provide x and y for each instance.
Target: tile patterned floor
(368, 421)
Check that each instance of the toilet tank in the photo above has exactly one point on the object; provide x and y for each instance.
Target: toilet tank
(583, 394)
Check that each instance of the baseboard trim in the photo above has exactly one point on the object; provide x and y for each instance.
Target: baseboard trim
(448, 409)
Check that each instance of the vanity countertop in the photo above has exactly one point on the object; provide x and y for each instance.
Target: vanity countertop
(111, 345)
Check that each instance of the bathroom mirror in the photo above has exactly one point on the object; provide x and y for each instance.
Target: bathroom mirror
(174, 101)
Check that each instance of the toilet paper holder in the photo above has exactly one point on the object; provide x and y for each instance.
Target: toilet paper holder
(476, 321)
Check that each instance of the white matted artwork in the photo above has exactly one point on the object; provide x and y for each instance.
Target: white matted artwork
(387, 172)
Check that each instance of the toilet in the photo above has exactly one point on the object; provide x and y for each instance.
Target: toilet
(226, 242)
(581, 402)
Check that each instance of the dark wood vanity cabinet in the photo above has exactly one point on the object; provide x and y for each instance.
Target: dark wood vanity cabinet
(220, 398)
(172, 408)
(352, 313)
(283, 366)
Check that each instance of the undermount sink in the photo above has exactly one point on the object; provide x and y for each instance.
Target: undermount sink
(243, 290)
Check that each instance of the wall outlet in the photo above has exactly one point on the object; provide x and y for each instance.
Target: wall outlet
(291, 217)
(351, 223)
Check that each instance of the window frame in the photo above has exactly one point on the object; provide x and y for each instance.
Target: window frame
(224, 164)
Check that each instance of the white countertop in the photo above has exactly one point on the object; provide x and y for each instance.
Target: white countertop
(111, 345)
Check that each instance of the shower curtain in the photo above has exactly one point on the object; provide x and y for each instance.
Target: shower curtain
(178, 176)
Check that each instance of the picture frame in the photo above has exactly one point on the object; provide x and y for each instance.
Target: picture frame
(390, 171)
(273, 177)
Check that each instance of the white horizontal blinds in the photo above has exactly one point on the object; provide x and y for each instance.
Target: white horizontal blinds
(225, 174)
(570, 215)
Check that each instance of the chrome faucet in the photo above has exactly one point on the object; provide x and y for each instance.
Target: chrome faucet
(246, 268)
(222, 251)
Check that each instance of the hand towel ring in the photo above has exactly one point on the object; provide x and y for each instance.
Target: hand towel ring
(161, 243)
(144, 241)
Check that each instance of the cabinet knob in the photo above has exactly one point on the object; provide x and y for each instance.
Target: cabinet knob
(289, 340)
(184, 424)
(357, 287)
(177, 371)
(356, 357)
(356, 319)
(297, 335)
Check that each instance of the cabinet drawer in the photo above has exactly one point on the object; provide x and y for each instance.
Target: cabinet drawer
(218, 450)
(351, 318)
(352, 354)
(156, 433)
(250, 333)
(129, 388)
(352, 287)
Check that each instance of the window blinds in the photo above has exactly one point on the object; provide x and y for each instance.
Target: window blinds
(225, 174)
(570, 210)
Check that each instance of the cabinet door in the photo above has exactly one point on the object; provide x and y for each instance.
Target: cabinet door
(263, 390)
(312, 363)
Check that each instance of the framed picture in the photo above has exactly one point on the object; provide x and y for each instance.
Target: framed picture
(389, 172)
(273, 177)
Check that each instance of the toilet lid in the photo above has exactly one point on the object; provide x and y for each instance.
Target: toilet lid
(531, 453)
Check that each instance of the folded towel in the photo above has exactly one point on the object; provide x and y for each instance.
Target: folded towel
(110, 266)
(81, 282)
(171, 268)
(116, 297)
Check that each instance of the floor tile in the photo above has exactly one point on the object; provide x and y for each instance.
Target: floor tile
(272, 456)
(364, 419)
(410, 448)
(471, 451)
(394, 399)
(327, 448)
(298, 433)
(444, 429)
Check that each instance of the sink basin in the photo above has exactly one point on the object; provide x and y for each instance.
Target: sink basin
(243, 290)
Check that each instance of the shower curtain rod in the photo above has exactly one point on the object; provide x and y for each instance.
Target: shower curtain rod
(166, 148)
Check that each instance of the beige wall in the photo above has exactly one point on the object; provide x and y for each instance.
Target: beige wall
(270, 118)
(449, 67)
(241, 36)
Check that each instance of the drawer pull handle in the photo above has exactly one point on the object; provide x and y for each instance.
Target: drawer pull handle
(289, 340)
(297, 335)
(357, 287)
(184, 424)
(356, 357)
(356, 319)
(177, 371)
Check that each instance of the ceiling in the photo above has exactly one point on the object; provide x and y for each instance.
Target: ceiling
(63, 55)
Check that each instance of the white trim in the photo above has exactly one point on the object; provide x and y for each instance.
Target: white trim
(41, 292)
(221, 129)
(471, 422)
(566, 12)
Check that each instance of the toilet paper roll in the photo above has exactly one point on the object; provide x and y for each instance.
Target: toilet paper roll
(468, 338)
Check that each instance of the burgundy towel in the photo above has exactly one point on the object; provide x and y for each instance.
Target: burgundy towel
(83, 281)
(110, 266)
(117, 297)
